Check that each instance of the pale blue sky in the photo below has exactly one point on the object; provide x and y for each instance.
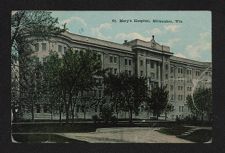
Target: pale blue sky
(190, 39)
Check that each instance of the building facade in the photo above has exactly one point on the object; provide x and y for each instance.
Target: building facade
(138, 57)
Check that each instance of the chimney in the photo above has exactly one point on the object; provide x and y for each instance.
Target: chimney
(153, 37)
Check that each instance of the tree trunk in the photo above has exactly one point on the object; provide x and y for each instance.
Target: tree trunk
(130, 116)
(60, 113)
(202, 117)
(165, 115)
(51, 111)
(32, 110)
(84, 113)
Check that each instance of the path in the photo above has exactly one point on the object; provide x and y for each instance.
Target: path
(125, 135)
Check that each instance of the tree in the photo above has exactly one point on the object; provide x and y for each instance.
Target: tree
(74, 74)
(53, 83)
(27, 27)
(158, 100)
(127, 92)
(201, 102)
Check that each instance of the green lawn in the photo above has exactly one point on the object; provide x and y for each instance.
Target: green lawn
(42, 138)
(201, 135)
(175, 130)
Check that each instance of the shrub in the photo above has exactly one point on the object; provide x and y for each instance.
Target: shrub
(114, 120)
(95, 118)
(106, 113)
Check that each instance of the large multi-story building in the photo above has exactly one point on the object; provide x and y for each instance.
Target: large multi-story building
(141, 58)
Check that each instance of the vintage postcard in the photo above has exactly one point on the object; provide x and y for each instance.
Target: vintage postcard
(111, 76)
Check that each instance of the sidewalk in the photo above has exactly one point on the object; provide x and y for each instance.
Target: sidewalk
(125, 135)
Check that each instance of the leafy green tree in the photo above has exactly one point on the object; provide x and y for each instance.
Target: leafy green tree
(74, 74)
(127, 92)
(200, 103)
(53, 82)
(106, 112)
(158, 100)
(27, 27)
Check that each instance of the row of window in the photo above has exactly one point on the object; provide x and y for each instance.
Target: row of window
(181, 108)
(128, 72)
(44, 47)
(180, 88)
(179, 97)
(152, 64)
(113, 71)
(189, 88)
(113, 59)
(181, 71)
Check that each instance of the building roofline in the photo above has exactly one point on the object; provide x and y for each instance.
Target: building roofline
(98, 41)
(189, 61)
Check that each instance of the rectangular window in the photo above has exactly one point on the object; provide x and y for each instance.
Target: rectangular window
(141, 62)
(111, 70)
(153, 75)
(152, 65)
(141, 73)
(115, 59)
(125, 61)
(126, 71)
(166, 66)
(36, 47)
(65, 49)
(43, 46)
(166, 76)
(171, 70)
(99, 56)
(172, 97)
(129, 62)
(171, 87)
(129, 72)
(111, 59)
(59, 48)
(115, 71)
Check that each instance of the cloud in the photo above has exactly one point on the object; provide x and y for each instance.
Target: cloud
(171, 42)
(180, 55)
(172, 28)
(74, 19)
(98, 31)
(131, 36)
(200, 47)
(155, 31)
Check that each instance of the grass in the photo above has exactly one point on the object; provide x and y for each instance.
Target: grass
(175, 130)
(42, 138)
(201, 135)
(77, 127)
